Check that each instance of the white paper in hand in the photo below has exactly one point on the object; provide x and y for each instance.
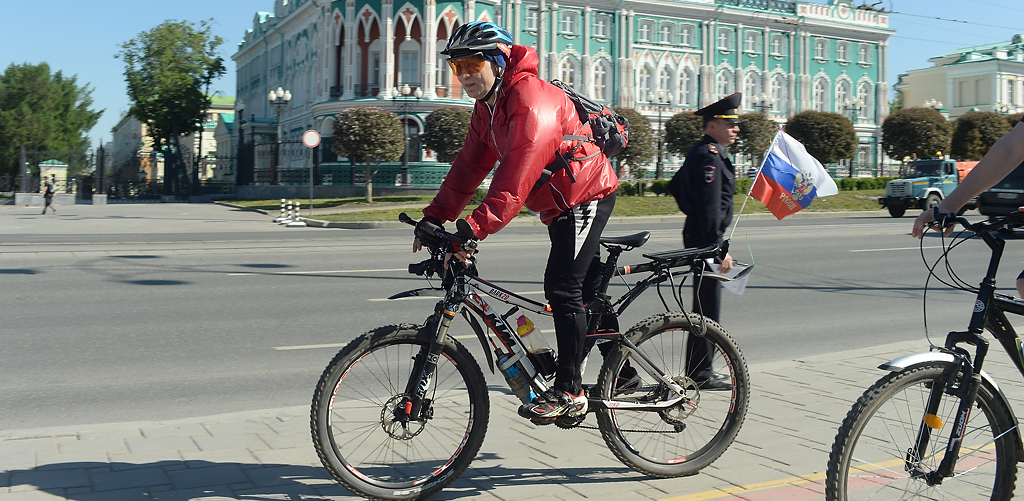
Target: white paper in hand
(735, 286)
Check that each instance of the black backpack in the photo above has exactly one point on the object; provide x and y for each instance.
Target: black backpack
(608, 130)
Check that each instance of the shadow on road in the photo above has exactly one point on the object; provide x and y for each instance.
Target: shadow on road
(17, 271)
(186, 480)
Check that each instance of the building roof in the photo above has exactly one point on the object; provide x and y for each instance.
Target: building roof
(53, 162)
(986, 52)
(222, 100)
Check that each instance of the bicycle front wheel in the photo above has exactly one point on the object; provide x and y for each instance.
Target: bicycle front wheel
(873, 458)
(359, 425)
(682, 439)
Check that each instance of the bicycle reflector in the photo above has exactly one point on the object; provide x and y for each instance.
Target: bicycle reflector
(934, 422)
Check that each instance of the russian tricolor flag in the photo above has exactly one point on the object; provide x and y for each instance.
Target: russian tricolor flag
(790, 178)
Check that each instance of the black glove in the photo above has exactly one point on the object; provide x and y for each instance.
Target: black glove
(425, 235)
(465, 231)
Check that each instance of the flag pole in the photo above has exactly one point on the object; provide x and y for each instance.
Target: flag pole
(761, 166)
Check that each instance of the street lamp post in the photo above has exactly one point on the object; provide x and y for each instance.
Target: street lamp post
(850, 106)
(404, 94)
(278, 100)
(664, 100)
(764, 104)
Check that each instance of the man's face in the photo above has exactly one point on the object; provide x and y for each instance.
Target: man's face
(723, 131)
(476, 74)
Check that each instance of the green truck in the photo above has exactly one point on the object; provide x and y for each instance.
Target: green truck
(924, 183)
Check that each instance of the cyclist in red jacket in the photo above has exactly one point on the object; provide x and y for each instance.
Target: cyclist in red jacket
(518, 123)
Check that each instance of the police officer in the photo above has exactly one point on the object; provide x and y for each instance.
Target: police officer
(704, 188)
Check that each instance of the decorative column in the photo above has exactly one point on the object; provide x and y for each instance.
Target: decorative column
(387, 80)
(348, 50)
(882, 88)
(517, 7)
(541, 54)
(428, 40)
(706, 77)
(588, 82)
(553, 51)
(469, 7)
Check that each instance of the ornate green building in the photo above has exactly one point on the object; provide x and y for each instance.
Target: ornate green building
(659, 57)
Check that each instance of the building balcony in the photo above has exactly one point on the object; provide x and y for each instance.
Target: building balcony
(778, 5)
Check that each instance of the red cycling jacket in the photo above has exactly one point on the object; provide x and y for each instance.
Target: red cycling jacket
(523, 135)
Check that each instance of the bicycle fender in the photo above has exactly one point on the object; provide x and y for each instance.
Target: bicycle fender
(426, 291)
(480, 335)
(905, 361)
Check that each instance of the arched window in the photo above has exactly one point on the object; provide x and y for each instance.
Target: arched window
(723, 84)
(665, 80)
(820, 95)
(866, 105)
(779, 93)
(686, 87)
(644, 85)
(842, 96)
(751, 90)
(568, 72)
(600, 82)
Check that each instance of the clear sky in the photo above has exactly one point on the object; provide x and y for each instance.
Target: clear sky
(80, 38)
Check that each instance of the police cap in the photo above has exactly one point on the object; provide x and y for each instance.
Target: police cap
(724, 109)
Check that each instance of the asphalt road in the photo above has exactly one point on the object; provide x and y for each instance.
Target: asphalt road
(144, 312)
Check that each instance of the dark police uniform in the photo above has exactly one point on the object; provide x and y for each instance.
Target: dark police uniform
(704, 188)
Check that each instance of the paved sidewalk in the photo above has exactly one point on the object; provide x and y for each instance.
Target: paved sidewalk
(781, 452)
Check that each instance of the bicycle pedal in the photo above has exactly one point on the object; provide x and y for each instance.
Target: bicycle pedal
(542, 422)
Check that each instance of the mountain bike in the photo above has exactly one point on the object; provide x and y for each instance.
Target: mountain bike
(402, 410)
(917, 432)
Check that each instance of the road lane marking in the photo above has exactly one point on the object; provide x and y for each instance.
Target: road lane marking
(897, 248)
(750, 488)
(314, 272)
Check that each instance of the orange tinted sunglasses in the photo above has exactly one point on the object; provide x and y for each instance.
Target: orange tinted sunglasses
(471, 64)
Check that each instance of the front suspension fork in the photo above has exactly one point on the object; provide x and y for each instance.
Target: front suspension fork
(424, 365)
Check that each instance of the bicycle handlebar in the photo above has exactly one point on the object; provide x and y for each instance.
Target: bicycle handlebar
(438, 232)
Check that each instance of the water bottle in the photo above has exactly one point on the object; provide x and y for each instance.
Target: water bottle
(517, 380)
(542, 356)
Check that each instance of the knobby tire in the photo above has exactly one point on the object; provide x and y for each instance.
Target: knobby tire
(357, 395)
(869, 456)
(691, 435)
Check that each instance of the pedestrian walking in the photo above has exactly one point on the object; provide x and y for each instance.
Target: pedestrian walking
(49, 189)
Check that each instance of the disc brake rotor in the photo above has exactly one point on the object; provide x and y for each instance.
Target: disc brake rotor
(396, 422)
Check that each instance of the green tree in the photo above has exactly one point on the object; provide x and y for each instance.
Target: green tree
(642, 145)
(682, 132)
(975, 132)
(755, 136)
(915, 131)
(1013, 119)
(41, 110)
(828, 137)
(368, 135)
(444, 131)
(169, 70)
(896, 104)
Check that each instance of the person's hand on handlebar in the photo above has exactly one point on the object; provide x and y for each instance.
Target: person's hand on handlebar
(946, 219)
(462, 252)
(417, 244)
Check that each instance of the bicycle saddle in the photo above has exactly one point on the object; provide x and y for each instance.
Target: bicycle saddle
(631, 241)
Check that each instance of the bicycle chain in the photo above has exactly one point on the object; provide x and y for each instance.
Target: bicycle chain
(588, 427)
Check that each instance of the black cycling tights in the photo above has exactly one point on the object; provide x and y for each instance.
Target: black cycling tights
(574, 238)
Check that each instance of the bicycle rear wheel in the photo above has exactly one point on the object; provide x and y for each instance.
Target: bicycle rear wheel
(353, 416)
(687, 437)
(869, 458)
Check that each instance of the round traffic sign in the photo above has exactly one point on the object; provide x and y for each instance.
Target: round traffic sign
(311, 138)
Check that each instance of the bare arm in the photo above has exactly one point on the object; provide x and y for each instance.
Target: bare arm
(1000, 160)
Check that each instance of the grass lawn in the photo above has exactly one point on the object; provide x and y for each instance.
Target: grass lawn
(624, 206)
